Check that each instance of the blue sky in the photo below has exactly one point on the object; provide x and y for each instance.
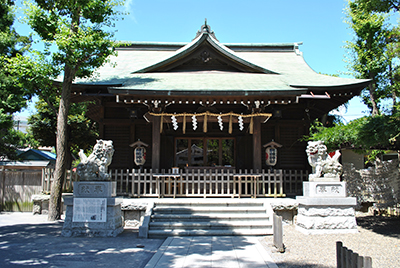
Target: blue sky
(319, 24)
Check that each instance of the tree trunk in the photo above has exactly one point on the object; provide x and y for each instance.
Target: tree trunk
(394, 101)
(55, 205)
(393, 89)
(375, 109)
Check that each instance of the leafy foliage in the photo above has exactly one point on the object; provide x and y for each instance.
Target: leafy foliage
(368, 50)
(13, 97)
(375, 55)
(82, 131)
(371, 134)
(77, 29)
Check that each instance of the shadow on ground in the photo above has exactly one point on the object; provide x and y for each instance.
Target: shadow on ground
(300, 265)
(43, 246)
(381, 225)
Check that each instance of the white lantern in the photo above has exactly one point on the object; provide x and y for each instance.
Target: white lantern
(140, 156)
(271, 156)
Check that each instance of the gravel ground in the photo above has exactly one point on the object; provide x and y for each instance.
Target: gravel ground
(378, 237)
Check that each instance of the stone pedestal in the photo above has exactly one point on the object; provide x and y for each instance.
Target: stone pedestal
(324, 208)
(93, 211)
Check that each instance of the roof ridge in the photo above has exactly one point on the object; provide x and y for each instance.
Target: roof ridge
(205, 36)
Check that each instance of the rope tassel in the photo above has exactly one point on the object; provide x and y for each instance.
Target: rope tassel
(251, 125)
(184, 124)
(205, 123)
(230, 124)
(161, 123)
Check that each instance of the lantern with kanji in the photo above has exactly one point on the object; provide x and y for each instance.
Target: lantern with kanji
(271, 153)
(139, 152)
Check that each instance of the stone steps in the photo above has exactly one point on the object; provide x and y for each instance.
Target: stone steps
(226, 232)
(208, 225)
(208, 210)
(210, 218)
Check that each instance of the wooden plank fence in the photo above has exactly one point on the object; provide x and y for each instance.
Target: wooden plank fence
(346, 258)
(17, 188)
(203, 182)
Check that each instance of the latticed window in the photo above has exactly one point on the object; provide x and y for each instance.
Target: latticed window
(208, 152)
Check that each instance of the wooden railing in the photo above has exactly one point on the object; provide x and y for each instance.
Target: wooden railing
(203, 182)
(196, 182)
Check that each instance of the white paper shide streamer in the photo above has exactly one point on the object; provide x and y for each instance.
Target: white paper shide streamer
(221, 124)
(240, 120)
(194, 122)
(174, 122)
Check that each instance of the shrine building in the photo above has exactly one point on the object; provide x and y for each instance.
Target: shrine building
(207, 105)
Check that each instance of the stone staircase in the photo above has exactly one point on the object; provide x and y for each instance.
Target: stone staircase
(210, 218)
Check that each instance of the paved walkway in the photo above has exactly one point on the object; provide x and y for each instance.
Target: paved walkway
(211, 251)
(26, 239)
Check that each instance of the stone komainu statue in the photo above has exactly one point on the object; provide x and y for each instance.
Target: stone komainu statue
(323, 165)
(94, 167)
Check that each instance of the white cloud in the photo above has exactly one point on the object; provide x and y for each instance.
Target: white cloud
(129, 7)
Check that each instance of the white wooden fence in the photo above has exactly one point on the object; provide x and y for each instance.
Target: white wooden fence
(203, 182)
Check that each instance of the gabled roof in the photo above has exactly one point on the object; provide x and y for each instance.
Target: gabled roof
(25, 164)
(37, 155)
(206, 67)
(202, 47)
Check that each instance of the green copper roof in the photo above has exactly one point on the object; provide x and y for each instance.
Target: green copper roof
(264, 68)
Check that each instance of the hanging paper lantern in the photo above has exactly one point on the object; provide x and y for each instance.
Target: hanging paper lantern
(139, 155)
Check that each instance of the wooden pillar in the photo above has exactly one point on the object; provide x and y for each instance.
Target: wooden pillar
(156, 144)
(132, 139)
(257, 145)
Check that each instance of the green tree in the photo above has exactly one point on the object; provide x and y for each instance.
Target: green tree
(82, 131)
(76, 28)
(365, 134)
(384, 6)
(13, 97)
(375, 55)
(368, 50)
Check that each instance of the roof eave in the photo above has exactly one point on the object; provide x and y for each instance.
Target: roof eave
(357, 86)
(202, 92)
